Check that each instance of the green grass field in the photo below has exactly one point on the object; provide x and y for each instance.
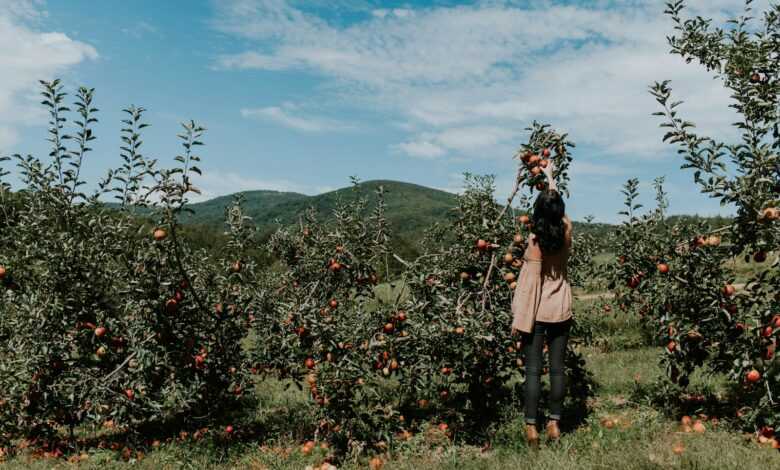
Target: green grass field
(642, 437)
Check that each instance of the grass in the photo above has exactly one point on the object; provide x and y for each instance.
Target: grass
(642, 437)
(608, 330)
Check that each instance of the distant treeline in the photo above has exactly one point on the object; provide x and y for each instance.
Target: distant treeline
(411, 209)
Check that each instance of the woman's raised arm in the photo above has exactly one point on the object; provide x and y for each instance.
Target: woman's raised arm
(548, 172)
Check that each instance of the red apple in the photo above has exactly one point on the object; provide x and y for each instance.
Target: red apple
(200, 361)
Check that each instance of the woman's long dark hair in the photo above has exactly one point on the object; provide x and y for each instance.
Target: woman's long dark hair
(547, 219)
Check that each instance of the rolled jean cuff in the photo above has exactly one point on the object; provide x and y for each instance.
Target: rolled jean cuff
(555, 417)
(530, 420)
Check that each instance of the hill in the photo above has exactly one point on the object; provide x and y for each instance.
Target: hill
(410, 207)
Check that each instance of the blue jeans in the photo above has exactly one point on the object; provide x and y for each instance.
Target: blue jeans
(557, 335)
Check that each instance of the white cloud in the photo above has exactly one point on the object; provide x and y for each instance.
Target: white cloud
(397, 12)
(285, 116)
(402, 12)
(462, 140)
(26, 56)
(422, 149)
(22, 9)
(468, 78)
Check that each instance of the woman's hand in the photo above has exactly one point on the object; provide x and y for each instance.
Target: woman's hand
(548, 172)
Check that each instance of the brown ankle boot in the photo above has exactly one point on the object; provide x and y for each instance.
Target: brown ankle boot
(553, 431)
(532, 435)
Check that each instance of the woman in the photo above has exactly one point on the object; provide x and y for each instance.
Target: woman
(541, 306)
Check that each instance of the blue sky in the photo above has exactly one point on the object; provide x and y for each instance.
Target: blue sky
(300, 95)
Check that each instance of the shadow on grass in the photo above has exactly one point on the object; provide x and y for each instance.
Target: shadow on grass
(726, 403)
(272, 414)
(279, 414)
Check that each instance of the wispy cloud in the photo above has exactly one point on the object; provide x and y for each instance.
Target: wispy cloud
(141, 29)
(285, 116)
(421, 149)
(460, 140)
(467, 78)
(27, 55)
(255, 60)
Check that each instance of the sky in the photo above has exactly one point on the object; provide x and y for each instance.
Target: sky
(300, 95)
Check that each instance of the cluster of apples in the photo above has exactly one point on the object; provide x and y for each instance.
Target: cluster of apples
(535, 163)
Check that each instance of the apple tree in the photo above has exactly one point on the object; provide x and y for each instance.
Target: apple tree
(108, 318)
(739, 325)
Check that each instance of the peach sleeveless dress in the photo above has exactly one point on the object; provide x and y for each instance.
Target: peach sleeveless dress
(543, 292)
